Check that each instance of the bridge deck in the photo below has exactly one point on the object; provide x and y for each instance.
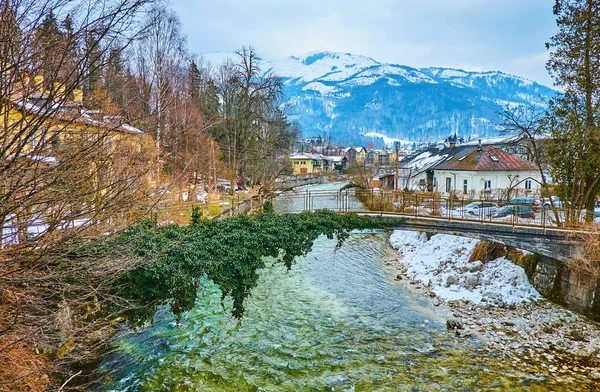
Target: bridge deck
(539, 235)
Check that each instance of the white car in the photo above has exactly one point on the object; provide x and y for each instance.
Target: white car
(555, 200)
(478, 208)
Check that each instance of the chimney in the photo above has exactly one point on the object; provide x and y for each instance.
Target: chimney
(78, 96)
(479, 148)
(452, 144)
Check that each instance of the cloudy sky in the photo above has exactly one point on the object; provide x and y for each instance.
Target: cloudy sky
(504, 35)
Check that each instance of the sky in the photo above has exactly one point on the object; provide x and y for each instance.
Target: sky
(474, 35)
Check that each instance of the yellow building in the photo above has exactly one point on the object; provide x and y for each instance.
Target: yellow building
(385, 158)
(305, 163)
(63, 160)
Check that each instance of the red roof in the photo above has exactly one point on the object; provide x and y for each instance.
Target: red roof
(492, 159)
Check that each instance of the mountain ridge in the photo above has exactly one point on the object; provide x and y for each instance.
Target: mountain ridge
(345, 96)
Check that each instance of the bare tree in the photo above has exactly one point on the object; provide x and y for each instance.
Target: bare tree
(65, 172)
(254, 133)
(160, 54)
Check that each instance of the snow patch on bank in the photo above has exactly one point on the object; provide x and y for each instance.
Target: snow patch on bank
(442, 264)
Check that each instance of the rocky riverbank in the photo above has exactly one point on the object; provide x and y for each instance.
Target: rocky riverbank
(535, 336)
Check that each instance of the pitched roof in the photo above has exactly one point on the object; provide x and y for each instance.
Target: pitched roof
(334, 158)
(84, 117)
(490, 159)
(305, 155)
(357, 149)
(434, 156)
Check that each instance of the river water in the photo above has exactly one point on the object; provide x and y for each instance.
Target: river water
(336, 322)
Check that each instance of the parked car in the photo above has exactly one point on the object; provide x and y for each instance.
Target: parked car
(525, 201)
(478, 208)
(516, 210)
(555, 200)
(224, 186)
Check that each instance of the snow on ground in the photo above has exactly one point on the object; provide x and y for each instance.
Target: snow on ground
(386, 139)
(442, 263)
(321, 88)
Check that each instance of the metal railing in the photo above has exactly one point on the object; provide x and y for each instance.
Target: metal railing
(422, 205)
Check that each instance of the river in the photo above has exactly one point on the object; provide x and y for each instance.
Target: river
(336, 322)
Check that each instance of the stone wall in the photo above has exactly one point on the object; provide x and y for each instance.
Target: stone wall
(561, 285)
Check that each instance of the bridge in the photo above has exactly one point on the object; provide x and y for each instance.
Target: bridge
(540, 235)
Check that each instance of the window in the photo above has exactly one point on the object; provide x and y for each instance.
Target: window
(487, 184)
(465, 186)
(494, 158)
(448, 184)
(528, 184)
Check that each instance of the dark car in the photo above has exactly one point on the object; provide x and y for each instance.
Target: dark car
(520, 211)
(525, 201)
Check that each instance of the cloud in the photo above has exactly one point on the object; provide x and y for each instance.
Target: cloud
(506, 35)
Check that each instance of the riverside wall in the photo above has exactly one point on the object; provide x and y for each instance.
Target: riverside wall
(560, 284)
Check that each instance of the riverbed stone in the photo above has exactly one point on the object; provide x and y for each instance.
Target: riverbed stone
(454, 324)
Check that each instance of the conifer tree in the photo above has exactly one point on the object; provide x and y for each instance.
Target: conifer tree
(574, 151)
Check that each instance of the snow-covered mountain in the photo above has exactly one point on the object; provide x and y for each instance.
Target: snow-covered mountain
(347, 96)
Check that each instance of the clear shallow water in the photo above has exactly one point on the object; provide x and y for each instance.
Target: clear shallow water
(336, 322)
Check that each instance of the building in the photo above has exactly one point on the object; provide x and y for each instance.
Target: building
(355, 155)
(307, 163)
(475, 171)
(384, 158)
(487, 172)
(336, 162)
(65, 160)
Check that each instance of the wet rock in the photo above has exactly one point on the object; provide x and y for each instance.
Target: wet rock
(399, 277)
(454, 324)
(576, 335)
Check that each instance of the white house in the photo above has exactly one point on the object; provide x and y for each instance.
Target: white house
(487, 171)
(474, 171)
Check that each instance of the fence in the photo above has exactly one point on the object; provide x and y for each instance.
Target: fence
(428, 205)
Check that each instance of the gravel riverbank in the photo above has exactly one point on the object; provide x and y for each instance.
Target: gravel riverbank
(501, 311)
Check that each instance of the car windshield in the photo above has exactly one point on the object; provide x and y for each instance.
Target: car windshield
(505, 209)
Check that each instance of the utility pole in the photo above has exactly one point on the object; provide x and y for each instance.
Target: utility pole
(397, 145)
